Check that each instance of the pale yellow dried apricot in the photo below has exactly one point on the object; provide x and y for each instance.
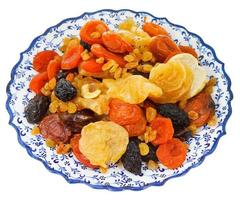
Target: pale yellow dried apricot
(133, 89)
(103, 142)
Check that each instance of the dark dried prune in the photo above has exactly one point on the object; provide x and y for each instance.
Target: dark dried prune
(36, 109)
(85, 45)
(64, 90)
(131, 159)
(152, 150)
(53, 128)
(179, 118)
(184, 135)
(75, 122)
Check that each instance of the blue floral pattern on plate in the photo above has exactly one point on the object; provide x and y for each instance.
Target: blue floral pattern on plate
(201, 145)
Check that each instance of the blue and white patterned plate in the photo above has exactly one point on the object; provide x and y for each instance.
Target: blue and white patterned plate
(203, 144)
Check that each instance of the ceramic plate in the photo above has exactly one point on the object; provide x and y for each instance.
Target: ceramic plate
(201, 145)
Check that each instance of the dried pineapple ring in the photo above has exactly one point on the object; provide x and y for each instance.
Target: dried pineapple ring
(133, 89)
(103, 142)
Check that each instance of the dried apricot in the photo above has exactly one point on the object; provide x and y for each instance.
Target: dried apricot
(154, 29)
(103, 142)
(161, 46)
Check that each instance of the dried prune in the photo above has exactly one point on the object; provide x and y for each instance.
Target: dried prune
(36, 109)
(131, 159)
(184, 135)
(152, 150)
(64, 90)
(75, 122)
(53, 128)
(85, 45)
(179, 118)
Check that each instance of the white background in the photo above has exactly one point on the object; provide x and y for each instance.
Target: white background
(218, 24)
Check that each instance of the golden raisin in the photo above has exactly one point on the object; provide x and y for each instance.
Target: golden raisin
(72, 108)
(85, 55)
(151, 113)
(147, 68)
(63, 107)
(144, 149)
(103, 170)
(152, 165)
(52, 83)
(113, 69)
(53, 106)
(45, 92)
(36, 130)
(192, 128)
(100, 60)
(193, 115)
(46, 86)
(129, 58)
(147, 56)
(50, 143)
(117, 73)
(131, 65)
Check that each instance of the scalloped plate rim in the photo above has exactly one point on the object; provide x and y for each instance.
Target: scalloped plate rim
(108, 187)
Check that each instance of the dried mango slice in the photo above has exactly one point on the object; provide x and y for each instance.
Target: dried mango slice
(133, 89)
(103, 142)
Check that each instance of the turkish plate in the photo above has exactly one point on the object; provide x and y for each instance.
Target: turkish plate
(117, 178)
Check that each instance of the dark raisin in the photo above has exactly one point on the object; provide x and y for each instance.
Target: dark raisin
(178, 116)
(184, 135)
(136, 72)
(36, 109)
(64, 90)
(62, 74)
(131, 159)
(85, 45)
(75, 122)
(151, 155)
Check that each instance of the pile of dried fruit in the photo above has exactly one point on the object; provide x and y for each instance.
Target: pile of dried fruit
(131, 95)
